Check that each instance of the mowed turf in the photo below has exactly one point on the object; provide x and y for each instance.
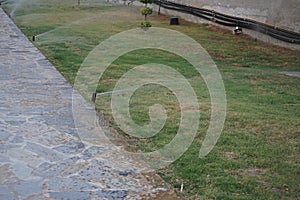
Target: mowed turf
(258, 153)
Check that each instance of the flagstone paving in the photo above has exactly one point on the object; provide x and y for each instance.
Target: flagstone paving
(41, 155)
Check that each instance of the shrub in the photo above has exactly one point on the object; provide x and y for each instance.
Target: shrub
(146, 11)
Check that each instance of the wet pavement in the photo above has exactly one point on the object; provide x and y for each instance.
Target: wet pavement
(41, 155)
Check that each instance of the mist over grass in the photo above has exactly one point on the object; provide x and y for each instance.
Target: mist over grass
(258, 153)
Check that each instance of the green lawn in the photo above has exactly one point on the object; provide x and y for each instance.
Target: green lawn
(258, 153)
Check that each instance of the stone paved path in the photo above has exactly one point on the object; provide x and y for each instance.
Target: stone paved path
(41, 156)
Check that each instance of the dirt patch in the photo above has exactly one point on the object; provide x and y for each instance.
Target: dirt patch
(281, 190)
(231, 155)
(217, 56)
(162, 191)
(257, 172)
(254, 172)
(218, 29)
(70, 46)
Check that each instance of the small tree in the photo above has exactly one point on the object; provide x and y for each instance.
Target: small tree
(146, 11)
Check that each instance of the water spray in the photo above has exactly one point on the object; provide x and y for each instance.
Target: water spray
(1, 2)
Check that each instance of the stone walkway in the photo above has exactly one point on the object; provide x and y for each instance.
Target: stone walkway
(41, 156)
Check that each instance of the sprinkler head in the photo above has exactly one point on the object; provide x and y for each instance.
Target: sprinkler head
(94, 96)
(33, 38)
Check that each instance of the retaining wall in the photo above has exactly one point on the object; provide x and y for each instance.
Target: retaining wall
(281, 13)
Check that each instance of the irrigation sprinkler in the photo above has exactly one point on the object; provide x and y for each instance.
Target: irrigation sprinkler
(94, 96)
